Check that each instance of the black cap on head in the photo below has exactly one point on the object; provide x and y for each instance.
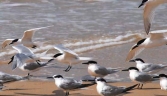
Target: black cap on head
(58, 54)
(133, 68)
(90, 62)
(57, 76)
(139, 59)
(101, 79)
(143, 2)
(162, 75)
(15, 40)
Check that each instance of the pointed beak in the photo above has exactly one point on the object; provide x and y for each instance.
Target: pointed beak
(140, 5)
(156, 77)
(132, 61)
(85, 63)
(125, 70)
(10, 43)
(49, 77)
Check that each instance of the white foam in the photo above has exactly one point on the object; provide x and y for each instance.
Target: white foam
(86, 45)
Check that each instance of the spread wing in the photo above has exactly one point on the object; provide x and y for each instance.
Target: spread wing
(19, 60)
(65, 50)
(6, 43)
(28, 34)
(159, 34)
(148, 14)
(24, 50)
(134, 51)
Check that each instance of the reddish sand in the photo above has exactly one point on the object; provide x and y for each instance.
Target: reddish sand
(48, 88)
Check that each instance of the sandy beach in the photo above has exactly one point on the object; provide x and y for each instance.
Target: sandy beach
(48, 88)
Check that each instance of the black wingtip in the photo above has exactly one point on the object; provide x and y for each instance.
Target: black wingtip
(11, 60)
(130, 88)
(85, 85)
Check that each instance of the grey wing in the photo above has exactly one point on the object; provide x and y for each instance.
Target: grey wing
(102, 71)
(19, 60)
(70, 84)
(111, 90)
(22, 49)
(63, 49)
(4, 77)
(152, 67)
(144, 77)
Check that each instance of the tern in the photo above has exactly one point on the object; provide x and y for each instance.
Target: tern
(26, 40)
(66, 56)
(148, 67)
(105, 89)
(141, 77)
(21, 61)
(69, 84)
(99, 71)
(26, 51)
(149, 8)
(163, 81)
(155, 39)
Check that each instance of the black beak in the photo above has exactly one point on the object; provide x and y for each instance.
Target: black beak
(132, 61)
(140, 5)
(49, 77)
(10, 43)
(125, 70)
(156, 77)
(85, 63)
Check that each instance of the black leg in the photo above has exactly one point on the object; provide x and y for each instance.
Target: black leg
(141, 86)
(67, 93)
(68, 68)
(138, 86)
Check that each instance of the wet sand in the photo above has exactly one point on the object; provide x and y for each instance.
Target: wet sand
(48, 88)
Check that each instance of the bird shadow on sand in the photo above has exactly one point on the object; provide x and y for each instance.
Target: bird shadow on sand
(30, 94)
(148, 88)
(62, 67)
(14, 89)
(62, 93)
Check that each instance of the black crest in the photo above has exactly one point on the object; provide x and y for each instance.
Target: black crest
(139, 59)
(57, 76)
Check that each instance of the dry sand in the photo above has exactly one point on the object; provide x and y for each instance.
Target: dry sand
(48, 88)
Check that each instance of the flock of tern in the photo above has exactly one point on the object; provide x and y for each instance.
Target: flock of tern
(143, 73)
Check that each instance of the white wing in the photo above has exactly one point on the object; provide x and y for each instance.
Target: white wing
(6, 43)
(65, 50)
(134, 52)
(24, 50)
(28, 34)
(159, 34)
(148, 14)
(19, 60)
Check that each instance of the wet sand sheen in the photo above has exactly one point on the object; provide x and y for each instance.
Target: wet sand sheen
(48, 88)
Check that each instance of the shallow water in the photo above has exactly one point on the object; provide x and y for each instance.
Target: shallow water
(102, 29)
